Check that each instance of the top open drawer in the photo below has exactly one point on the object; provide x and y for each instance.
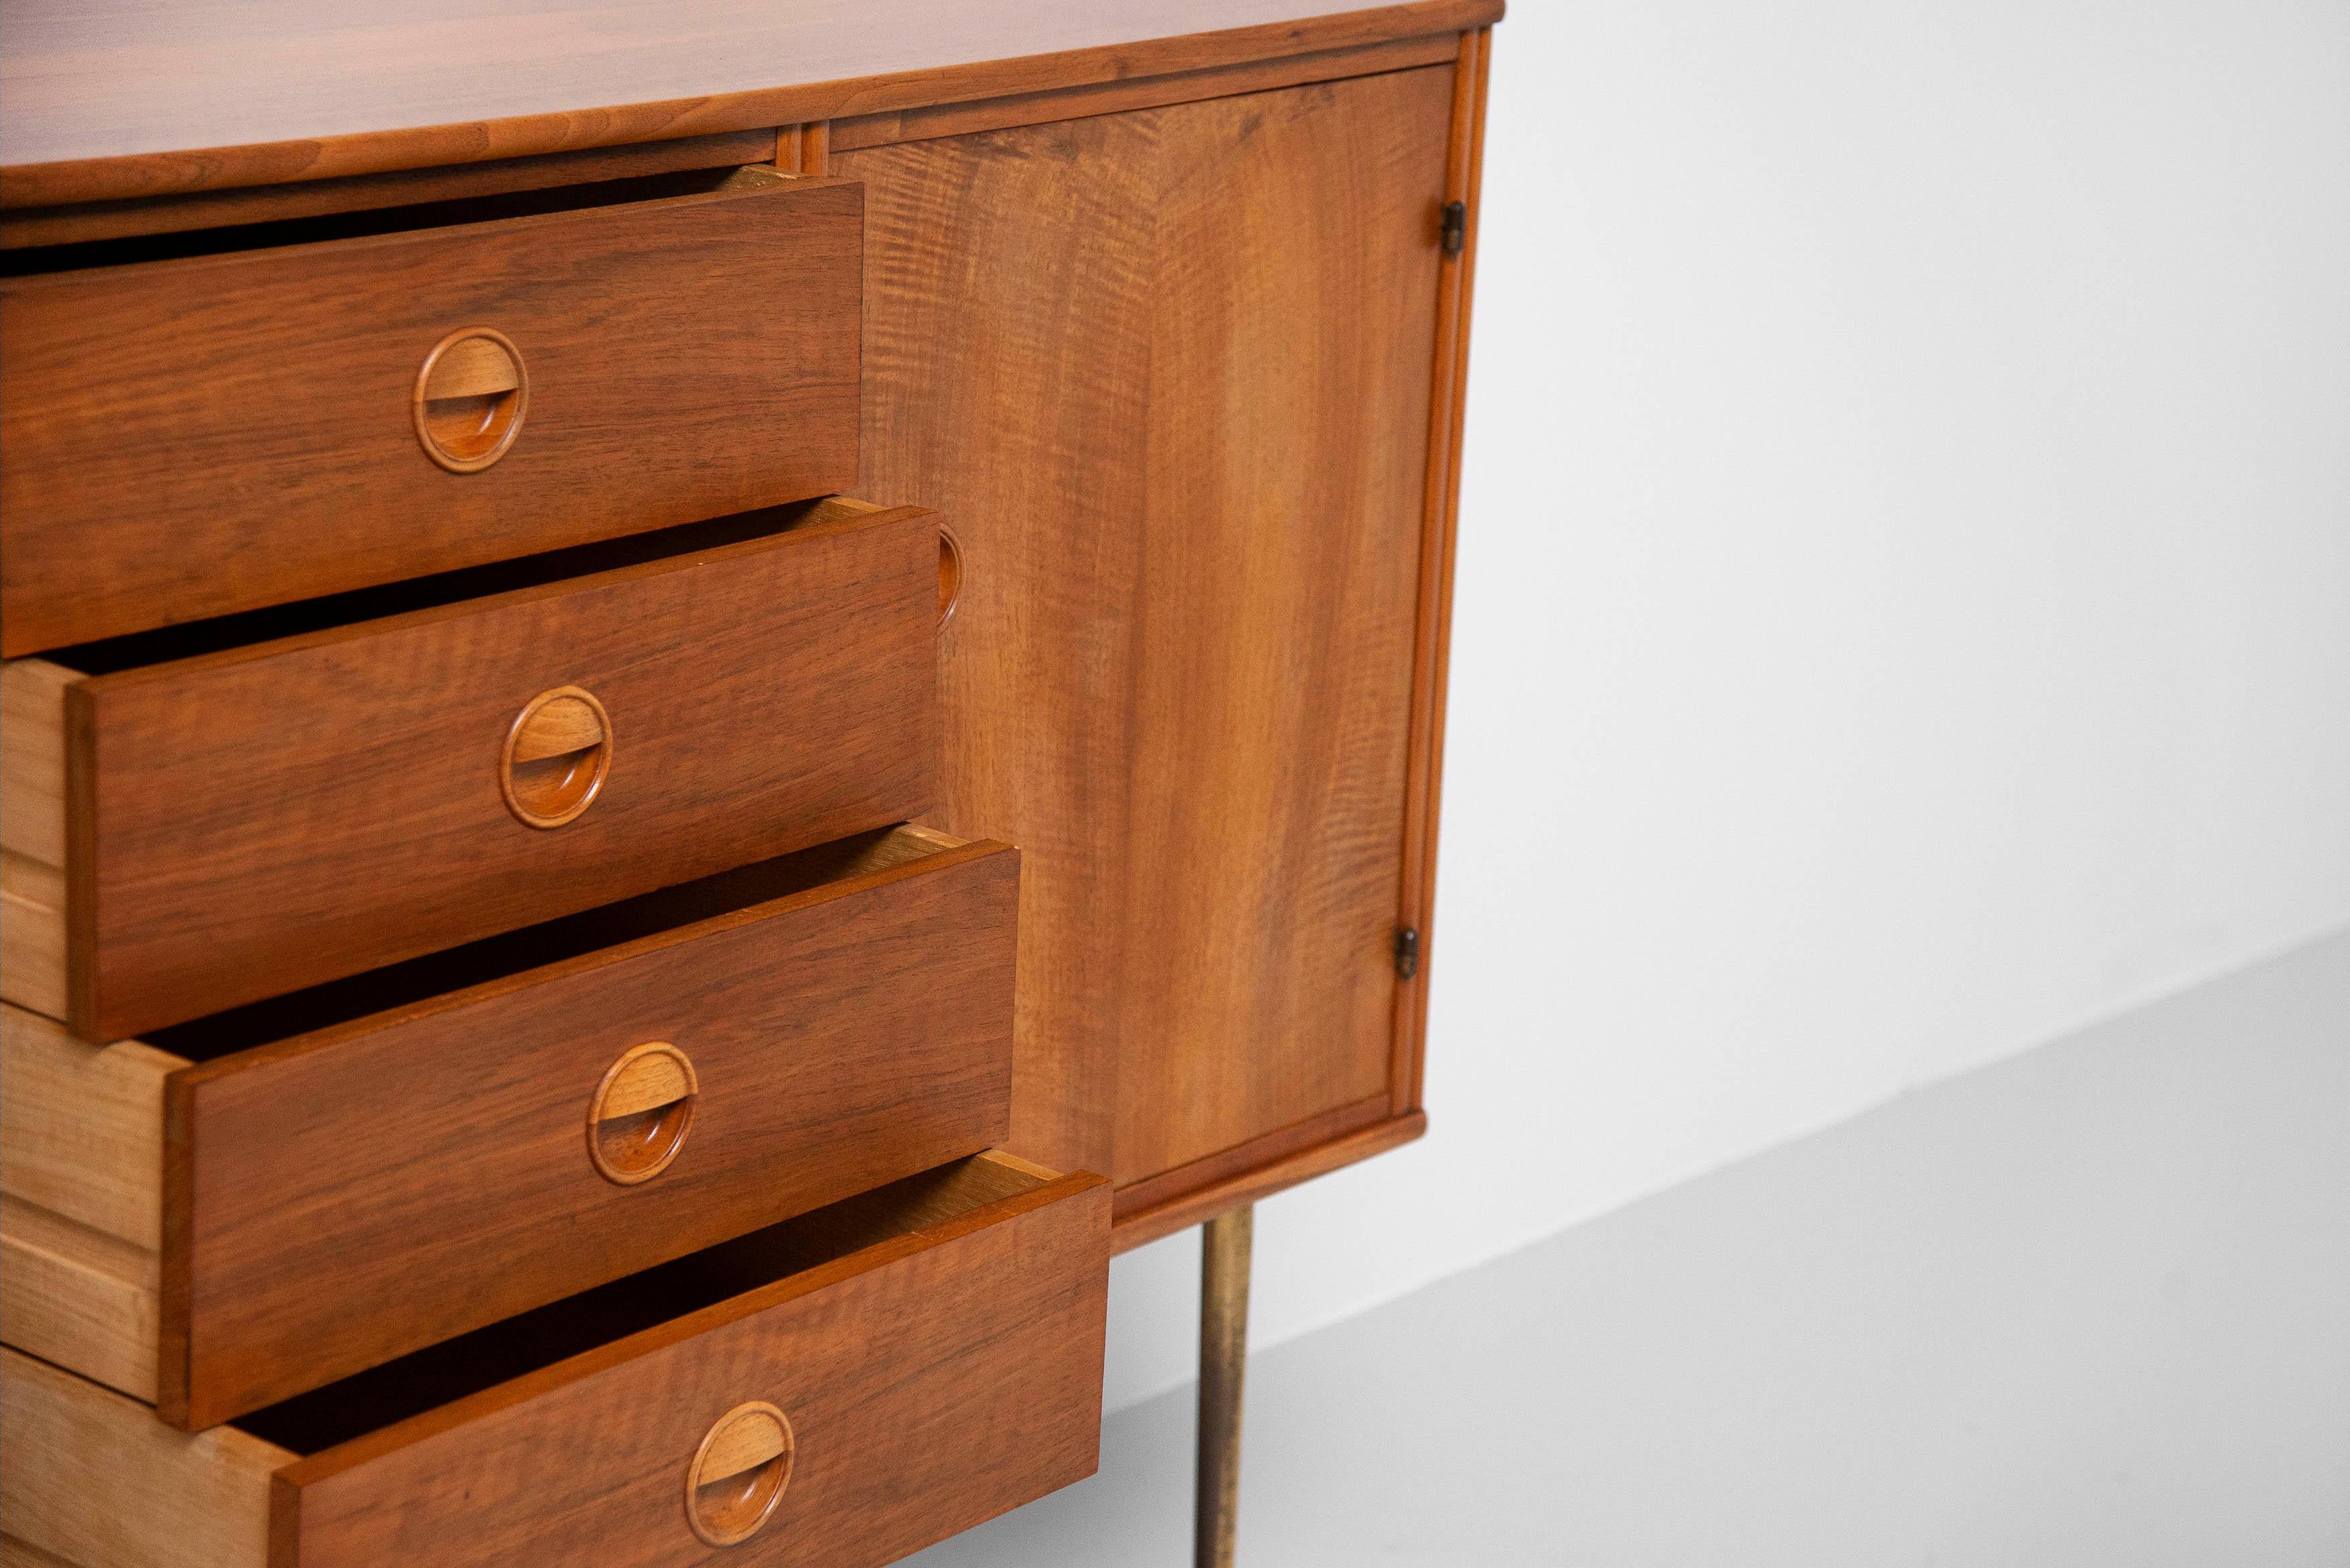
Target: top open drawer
(274, 421)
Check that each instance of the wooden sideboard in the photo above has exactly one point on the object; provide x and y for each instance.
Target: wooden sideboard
(659, 659)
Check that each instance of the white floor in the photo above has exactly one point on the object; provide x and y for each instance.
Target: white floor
(2088, 1308)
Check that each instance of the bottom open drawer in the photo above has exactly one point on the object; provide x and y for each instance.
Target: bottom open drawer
(840, 1389)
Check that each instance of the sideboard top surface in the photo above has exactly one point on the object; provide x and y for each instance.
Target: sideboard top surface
(108, 99)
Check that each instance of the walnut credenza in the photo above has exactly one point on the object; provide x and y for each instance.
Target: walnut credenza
(697, 698)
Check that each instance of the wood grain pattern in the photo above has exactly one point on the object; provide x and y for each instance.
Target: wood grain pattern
(1286, 462)
(15, 1553)
(193, 437)
(841, 1037)
(220, 95)
(23, 227)
(932, 1381)
(1007, 378)
(271, 816)
(1181, 436)
(94, 1479)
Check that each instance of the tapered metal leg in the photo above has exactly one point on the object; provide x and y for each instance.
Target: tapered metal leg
(1223, 1361)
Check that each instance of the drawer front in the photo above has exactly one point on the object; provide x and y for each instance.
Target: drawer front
(341, 1199)
(947, 1369)
(189, 438)
(930, 1382)
(248, 823)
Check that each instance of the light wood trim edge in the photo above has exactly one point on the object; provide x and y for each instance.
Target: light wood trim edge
(93, 1478)
(81, 1125)
(1013, 1163)
(1181, 1213)
(1416, 903)
(79, 1297)
(81, 1165)
(33, 934)
(33, 759)
(81, 860)
(74, 180)
(33, 792)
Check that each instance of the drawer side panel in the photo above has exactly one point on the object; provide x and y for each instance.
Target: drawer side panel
(93, 1478)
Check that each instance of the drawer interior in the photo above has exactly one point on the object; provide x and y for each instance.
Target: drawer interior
(514, 952)
(231, 239)
(486, 1357)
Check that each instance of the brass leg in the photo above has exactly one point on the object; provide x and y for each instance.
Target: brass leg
(1223, 1359)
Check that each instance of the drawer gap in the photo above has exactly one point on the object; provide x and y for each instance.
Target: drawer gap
(444, 975)
(303, 616)
(471, 1363)
(233, 239)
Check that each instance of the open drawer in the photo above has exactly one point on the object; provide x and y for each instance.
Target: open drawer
(281, 411)
(234, 1212)
(201, 816)
(838, 1391)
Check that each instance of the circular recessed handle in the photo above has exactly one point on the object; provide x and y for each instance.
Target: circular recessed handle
(470, 399)
(739, 1473)
(950, 574)
(556, 753)
(639, 1118)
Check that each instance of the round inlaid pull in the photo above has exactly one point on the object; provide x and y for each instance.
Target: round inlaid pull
(641, 1112)
(739, 1473)
(949, 573)
(470, 400)
(557, 754)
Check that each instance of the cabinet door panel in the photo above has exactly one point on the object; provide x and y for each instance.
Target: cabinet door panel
(1166, 375)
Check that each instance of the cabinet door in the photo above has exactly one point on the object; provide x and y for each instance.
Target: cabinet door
(1167, 375)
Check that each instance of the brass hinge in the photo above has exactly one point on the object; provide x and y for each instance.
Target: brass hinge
(1407, 953)
(1455, 227)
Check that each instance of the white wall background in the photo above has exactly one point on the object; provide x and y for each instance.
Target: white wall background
(1903, 591)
